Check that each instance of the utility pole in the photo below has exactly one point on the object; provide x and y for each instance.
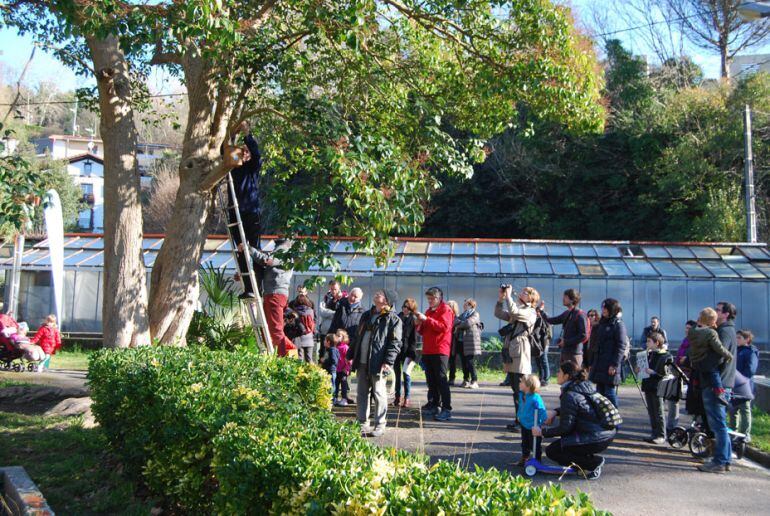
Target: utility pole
(75, 119)
(748, 160)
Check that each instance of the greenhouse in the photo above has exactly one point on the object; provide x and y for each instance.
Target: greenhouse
(673, 281)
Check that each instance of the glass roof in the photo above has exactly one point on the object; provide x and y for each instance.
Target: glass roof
(511, 258)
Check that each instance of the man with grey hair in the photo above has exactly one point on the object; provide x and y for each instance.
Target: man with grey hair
(348, 313)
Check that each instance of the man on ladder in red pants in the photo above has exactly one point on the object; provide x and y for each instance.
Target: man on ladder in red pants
(246, 184)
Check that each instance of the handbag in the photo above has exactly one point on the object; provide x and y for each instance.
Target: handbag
(670, 388)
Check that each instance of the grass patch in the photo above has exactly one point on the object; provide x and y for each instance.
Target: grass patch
(760, 429)
(69, 464)
(74, 359)
(12, 383)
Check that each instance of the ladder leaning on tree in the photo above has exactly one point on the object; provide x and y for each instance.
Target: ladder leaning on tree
(254, 306)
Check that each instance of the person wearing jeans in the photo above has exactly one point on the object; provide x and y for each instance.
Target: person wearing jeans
(373, 354)
(406, 359)
(436, 326)
(276, 287)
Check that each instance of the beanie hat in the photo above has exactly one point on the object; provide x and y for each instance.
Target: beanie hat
(391, 296)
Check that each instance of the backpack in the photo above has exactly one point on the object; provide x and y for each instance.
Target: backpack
(607, 414)
(538, 339)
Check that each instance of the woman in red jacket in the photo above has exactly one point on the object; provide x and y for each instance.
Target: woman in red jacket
(435, 326)
(49, 339)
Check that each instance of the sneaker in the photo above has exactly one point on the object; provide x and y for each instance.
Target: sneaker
(505, 383)
(465, 384)
(378, 431)
(712, 467)
(397, 402)
(366, 429)
(473, 385)
(342, 403)
(444, 415)
(523, 460)
(595, 474)
(512, 427)
(655, 440)
(350, 401)
(429, 409)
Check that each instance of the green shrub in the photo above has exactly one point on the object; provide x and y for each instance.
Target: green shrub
(229, 433)
(492, 344)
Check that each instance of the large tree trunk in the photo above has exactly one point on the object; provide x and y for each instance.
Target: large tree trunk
(124, 312)
(174, 291)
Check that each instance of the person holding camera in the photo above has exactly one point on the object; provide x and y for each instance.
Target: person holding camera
(517, 353)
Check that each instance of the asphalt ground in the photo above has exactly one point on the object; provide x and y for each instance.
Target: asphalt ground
(637, 478)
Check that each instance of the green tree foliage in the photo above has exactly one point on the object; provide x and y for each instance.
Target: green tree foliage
(669, 166)
(20, 183)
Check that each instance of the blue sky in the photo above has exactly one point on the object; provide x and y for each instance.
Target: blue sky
(16, 49)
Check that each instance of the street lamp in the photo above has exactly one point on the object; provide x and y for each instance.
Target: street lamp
(754, 10)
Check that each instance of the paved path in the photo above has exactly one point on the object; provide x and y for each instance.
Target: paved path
(64, 378)
(638, 478)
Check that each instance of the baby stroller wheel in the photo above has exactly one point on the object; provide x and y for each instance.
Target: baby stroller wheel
(700, 445)
(17, 368)
(678, 438)
(30, 367)
(530, 470)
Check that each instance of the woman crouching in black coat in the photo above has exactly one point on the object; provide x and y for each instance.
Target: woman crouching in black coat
(580, 433)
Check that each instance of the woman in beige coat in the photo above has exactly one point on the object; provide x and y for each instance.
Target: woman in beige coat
(522, 315)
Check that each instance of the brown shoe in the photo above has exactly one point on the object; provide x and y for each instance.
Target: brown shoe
(406, 403)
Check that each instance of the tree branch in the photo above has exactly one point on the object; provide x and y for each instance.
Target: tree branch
(261, 16)
(161, 58)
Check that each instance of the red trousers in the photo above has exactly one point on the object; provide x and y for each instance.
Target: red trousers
(275, 305)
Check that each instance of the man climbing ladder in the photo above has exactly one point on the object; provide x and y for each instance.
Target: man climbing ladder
(246, 183)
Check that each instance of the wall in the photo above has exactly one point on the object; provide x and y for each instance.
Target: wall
(96, 179)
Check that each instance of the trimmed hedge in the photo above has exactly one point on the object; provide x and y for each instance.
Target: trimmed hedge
(228, 433)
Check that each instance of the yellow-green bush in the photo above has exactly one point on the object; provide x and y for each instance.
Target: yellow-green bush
(221, 432)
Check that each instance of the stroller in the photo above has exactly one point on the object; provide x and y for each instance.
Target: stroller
(697, 436)
(12, 356)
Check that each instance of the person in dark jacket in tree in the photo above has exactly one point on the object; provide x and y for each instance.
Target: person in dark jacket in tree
(246, 183)
(575, 328)
(581, 436)
(373, 354)
(406, 359)
(609, 338)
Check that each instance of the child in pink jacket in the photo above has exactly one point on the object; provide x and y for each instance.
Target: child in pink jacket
(343, 371)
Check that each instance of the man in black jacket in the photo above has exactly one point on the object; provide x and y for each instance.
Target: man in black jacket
(348, 314)
(246, 184)
(575, 328)
(373, 353)
(654, 327)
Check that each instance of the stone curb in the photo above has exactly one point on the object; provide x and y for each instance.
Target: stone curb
(21, 494)
(758, 456)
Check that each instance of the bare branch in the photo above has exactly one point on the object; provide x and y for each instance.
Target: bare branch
(18, 85)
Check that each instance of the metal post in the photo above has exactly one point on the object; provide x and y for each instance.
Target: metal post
(751, 211)
(13, 292)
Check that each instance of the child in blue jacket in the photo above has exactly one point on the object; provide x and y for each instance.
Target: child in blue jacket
(532, 414)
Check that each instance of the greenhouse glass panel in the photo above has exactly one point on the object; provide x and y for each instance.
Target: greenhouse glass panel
(68, 242)
(485, 294)
(564, 266)
(462, 264)
(655, 251)
(559, 250)
(155, 243)
(667, 268)
(699, 295)
(96, 260)
(439, 248)
(416, 248)
(727, 291)
(719, 269)
(680, 252)
(487, 265)
(410, 263)
(607, 251)
(459, 288)
(754, 253)
(538, 266)
(76, 257)
(704, 252)
(587, 251)
(84, 298)
(673, 309)
(746, 270)
(364, 263)
(437, 264)
(211, 244)
(640, 267)
(535, 250)
(693, 269)
(623, 291)
(589, 267)
(544, 287)
(488, 248)
(43, 259)
(592, 293)
(94, 243)
(615, 267)
(512, 266)
(464, 248)
(763, 267)
(753, 308)
(511, 249)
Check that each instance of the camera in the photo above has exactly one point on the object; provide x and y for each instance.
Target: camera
(504, 286)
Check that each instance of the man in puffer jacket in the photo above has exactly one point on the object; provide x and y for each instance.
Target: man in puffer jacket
(373, 353)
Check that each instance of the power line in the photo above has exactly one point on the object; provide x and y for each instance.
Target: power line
(646, 25)
(48, 103)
